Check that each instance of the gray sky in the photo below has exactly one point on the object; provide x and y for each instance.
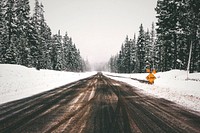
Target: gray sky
(98, 27)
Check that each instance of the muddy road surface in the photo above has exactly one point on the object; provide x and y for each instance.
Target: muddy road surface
(96, 104)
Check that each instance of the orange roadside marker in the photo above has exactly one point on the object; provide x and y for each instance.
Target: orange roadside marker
(151, 78)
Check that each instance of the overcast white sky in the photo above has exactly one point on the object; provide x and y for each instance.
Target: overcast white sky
(98, 27)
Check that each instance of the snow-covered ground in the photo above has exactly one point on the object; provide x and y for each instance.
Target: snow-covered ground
(18, 82)
(170, 85)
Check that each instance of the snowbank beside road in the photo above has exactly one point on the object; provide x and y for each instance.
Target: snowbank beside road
(17, 81)
(170, 85)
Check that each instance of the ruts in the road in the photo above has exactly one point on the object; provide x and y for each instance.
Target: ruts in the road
(96, 104)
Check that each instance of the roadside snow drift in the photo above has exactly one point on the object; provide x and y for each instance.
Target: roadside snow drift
(171, 85)
(18, 82)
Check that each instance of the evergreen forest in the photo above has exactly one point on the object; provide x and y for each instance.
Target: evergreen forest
(26, 39)
(170, 43)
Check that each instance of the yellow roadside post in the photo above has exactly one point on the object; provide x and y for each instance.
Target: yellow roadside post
(151, 77)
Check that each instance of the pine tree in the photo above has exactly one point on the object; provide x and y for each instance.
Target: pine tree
(33, 46)
(3, 44)
(23, 24)
(65, 50)
(148, 53)
(141, 51)
(191, 27)
(47, 47)
(59, 51)
(64, 54)
(119, 63)
(158, 58)
(127, 55)
(77, 60)
(53, 53)
(153, 46)
(69, 55)
(178, 25)
(167, 31)
(44, 37)
(122, 67)
(34, 38)
(133, 54)
(27, 40)
(10, 32)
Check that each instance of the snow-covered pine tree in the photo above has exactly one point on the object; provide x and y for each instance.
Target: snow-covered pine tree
(53, 52)
(33, 45)
(3, 44)
(34, 38)
(23, 24)
(120, 59)
(127, 55)
(64, 54)
(152, 43)
(69, 55)
(148, 53)
(133, 54)
(73, 59)
(48, 46)
(158, 58)
(59, 51)
(27, 40)
(178, 27)
(77, 60)
(45, 37)
(65, 50)
(113, 64)
(166, 23)
(190, 24)
(10, 32)
(141, 66)
(41, 39)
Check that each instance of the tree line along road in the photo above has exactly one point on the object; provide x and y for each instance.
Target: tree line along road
(96, 104)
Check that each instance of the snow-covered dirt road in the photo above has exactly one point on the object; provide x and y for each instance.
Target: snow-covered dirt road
(96, 104)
